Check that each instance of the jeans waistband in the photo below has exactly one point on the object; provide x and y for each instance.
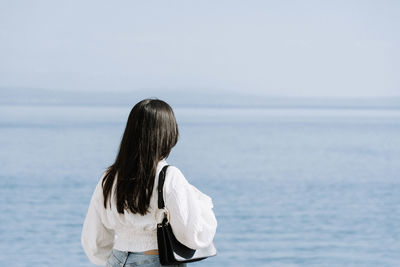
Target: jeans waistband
(132, 257)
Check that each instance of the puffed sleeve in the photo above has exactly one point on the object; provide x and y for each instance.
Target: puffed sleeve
(97, 241)
(191, 215)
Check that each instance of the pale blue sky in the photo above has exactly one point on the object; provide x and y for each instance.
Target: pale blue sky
(279, 48)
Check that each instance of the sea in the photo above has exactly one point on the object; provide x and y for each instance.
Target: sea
(291, 186)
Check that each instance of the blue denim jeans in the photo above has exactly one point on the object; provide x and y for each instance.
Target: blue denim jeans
(130, 259)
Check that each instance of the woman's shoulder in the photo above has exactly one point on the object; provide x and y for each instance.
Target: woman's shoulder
(98, 191)
(174, 177)
(177, 182)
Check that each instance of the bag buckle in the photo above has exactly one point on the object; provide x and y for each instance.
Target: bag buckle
(164, 213)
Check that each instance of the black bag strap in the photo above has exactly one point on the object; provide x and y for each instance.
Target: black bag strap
(161, 180)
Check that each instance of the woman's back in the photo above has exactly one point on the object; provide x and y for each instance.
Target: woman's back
(191, 217)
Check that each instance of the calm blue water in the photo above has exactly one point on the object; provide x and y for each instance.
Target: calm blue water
(291, 187)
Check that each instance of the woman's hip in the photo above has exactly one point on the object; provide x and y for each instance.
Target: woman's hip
(129, 259)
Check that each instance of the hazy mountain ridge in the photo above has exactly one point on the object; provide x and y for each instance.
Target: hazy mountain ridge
(190, 98)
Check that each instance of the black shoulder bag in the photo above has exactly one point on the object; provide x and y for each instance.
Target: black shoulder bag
(170, 250)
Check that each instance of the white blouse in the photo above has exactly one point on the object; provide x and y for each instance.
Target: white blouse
(191, 217)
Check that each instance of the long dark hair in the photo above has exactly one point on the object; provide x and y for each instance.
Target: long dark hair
(150, 134)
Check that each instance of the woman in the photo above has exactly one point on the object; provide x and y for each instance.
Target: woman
(120, 228)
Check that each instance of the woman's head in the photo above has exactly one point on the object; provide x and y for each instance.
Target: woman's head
(150, 134)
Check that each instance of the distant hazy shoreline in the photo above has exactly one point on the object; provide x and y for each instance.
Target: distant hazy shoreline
(190, 98)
